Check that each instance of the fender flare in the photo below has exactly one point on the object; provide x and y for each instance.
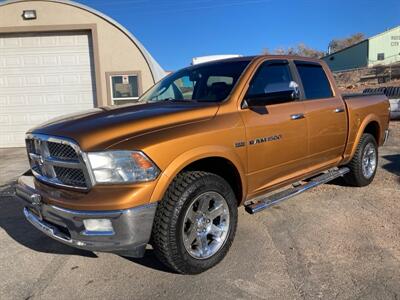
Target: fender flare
(188, 157)
(367, 120)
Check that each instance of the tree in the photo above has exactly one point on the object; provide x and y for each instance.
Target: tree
(339, 44)
(304, 50)
(301, 49)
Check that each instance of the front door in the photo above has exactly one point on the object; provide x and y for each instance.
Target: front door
(277, 133)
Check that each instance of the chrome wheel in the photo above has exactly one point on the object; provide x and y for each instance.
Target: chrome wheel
(369, 160)
(206, 225)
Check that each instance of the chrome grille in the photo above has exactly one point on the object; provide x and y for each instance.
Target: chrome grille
(57, 161)
(74, 177)
(62, 151)
(30, 146)
(37, 169)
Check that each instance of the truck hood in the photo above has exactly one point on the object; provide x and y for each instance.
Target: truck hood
(100, 128)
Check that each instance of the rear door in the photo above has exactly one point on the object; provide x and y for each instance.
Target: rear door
(277, 133)
(325, 114)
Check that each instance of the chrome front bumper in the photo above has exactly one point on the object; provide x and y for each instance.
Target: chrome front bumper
(386, 137)
(131, 227)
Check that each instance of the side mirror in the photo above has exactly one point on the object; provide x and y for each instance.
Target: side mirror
(274, 96)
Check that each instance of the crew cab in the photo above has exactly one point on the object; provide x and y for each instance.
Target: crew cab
(172, 169)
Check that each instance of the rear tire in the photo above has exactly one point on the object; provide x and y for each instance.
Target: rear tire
(195, 222)
(364, 162)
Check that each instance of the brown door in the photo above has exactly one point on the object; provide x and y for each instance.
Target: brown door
(276, 133)
(325, 114)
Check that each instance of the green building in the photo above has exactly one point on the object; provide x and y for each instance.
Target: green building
(381, 49)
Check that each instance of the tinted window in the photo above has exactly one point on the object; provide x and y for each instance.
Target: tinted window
(315, 82)
(270, 78)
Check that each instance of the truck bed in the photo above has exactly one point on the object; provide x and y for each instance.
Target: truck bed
(359, 107)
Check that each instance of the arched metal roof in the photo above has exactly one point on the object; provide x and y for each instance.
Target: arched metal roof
(156, 71)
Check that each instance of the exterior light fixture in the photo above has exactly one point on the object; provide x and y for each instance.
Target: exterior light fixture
(29, 14)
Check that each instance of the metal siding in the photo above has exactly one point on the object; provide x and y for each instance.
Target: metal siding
(350, 58)
(388, 43)
(42, 76)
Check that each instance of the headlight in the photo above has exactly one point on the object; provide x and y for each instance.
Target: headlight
(122, 167)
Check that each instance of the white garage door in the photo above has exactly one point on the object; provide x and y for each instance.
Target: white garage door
(42, 75)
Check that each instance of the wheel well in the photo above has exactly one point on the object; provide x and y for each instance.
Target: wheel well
(222, 167)
(373, 129)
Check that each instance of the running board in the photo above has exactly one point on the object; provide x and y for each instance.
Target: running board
(291, 192)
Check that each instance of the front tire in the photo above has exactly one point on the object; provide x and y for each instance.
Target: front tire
(195, 223)
(364, 162)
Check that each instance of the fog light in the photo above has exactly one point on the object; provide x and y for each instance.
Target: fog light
(98, 226)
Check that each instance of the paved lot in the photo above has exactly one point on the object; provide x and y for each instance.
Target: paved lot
(333, 242)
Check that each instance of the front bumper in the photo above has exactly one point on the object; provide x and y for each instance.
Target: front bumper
(131, 227)
(386, 136)
(394, 109)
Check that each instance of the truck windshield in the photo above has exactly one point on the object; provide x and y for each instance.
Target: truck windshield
(210, 82)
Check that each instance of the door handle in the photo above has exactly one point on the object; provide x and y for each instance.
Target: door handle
(339, 110)
(297, 116)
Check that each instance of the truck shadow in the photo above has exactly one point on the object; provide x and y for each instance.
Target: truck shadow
(150, 260)
(14, 224)
(393, 166)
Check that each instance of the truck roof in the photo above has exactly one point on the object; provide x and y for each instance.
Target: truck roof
(254, 57)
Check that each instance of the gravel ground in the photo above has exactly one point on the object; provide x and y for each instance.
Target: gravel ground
(332, 242)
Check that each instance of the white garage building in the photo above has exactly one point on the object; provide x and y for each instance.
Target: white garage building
(59, 57)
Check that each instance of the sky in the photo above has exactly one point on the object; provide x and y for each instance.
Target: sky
(176, 31)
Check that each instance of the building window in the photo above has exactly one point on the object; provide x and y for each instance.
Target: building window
(124, 88)
(381, 56)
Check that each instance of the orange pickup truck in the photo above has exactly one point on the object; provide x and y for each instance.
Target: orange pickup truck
(172, 169)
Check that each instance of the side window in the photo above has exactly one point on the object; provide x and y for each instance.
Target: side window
(270, 78)
(316, 84)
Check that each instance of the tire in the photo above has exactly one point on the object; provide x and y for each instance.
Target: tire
(357, 176)
(173, 223)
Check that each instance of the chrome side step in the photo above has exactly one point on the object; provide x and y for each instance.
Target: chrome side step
(286, 194)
